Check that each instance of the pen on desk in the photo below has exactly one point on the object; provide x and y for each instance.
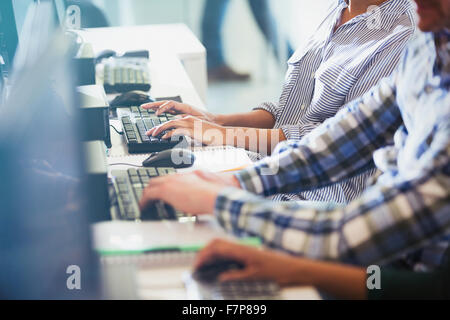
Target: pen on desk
(164, 104)
(235, 169)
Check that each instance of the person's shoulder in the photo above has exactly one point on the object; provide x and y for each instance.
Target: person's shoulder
(419, 41)
(418, 47)
(400, 16)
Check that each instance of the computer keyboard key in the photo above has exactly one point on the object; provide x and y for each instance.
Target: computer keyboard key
(142, 172)
(164, 171)
(135, 179)
(148, 123)
(121, 180)
(152, 172)
(126, 120)
(125, 198)
(131, 214)
(123, 188)
(132, 172)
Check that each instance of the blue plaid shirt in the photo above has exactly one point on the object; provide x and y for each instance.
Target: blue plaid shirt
(402, 125)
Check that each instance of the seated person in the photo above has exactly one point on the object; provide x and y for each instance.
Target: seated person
(335, 280)
(347, 55)
(402, 125)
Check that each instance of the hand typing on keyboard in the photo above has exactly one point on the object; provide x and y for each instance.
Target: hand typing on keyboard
(137, 122)
(173, 107)
(202, 131)
(257, 264)
(192, 193)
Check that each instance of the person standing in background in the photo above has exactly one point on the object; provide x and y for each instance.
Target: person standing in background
(212, 24)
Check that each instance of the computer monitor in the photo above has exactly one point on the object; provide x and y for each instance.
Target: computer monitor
(45, 246)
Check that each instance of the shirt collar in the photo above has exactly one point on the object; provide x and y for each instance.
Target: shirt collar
(442, 64)
(388, 12)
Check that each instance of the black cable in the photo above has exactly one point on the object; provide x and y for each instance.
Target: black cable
(125, 164)
(118, 132)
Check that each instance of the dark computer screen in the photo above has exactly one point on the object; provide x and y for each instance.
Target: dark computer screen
(44, 197)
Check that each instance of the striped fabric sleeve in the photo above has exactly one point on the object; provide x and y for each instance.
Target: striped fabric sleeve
(292, 132)
(272, 108)
(381, 226)
(340, 148)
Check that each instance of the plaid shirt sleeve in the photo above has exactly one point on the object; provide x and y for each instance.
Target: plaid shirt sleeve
(387, 222)
(340, 148)
(390, 219)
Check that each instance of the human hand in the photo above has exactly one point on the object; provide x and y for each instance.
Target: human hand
(186, 192)
(205, 132)
(258, 264)
(173, 107)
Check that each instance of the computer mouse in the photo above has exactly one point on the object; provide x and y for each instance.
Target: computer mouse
(131, 98)
(105, 55)
(174, 158)
(210, 271)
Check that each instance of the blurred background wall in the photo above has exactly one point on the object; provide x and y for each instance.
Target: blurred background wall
(244, 46)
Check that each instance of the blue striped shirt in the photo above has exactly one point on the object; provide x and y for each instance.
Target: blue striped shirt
(336, 67)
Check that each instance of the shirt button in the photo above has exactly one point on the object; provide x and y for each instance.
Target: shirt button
(428, 89)
(303, 107)
(313, 75)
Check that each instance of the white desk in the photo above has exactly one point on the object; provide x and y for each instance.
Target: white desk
(171, 39)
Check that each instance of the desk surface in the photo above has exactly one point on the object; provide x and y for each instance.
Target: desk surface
(166, 39)
(176, 39)
(167, 284)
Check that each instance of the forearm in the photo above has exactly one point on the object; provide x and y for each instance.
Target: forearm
(397, 285)
(253, 119)
(337, 280)
(257, 140)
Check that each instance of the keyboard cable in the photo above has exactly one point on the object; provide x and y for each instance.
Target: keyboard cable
(118, 132)
(125, 164)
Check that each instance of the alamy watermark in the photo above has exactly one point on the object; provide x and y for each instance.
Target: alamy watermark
(73, 281)
(72, 19)
(373, 278)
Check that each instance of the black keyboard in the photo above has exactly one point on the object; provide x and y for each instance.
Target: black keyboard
(137, 121)
(126, 74)
(128, 186)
